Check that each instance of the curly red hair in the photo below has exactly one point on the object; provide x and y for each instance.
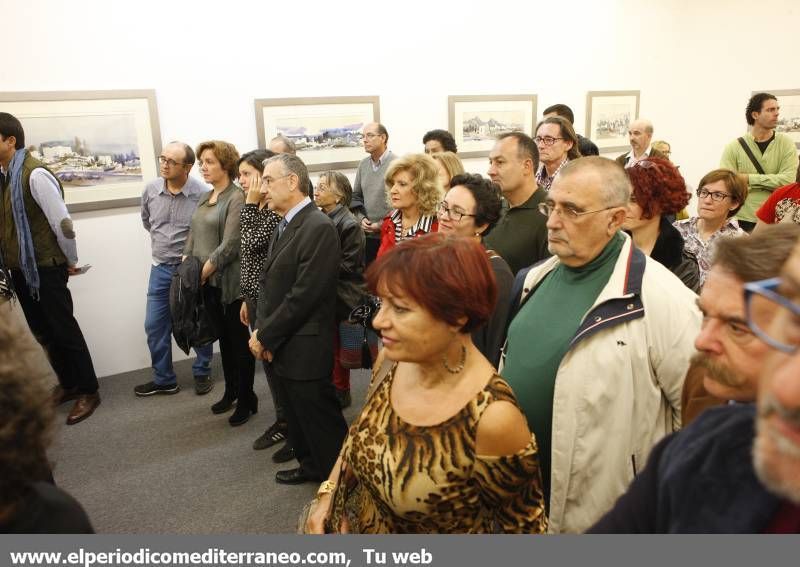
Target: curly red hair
(658, 187)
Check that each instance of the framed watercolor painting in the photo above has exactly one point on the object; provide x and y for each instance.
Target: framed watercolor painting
(475, 121)
(327, 132)
(608, 116)
(102, 145)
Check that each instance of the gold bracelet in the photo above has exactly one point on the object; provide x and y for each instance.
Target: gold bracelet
(327, 487)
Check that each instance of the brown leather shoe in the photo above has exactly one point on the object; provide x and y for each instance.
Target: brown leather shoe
(83, 408)
(59, 395)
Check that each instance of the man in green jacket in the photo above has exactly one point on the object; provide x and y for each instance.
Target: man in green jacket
(765, 159)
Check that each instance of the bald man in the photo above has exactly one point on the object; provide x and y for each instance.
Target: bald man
(640, 135)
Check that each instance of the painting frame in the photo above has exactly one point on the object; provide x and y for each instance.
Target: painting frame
(139, 104)
(594, 112)
(322, 154)
(459, 105)
(794, 96)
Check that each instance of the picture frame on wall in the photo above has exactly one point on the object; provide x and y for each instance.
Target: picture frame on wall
(476, 120)
(327, 131)
(789, 117)
(102, 145)
(608, 116)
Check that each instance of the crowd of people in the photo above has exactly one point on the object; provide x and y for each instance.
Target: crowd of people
(564, 349)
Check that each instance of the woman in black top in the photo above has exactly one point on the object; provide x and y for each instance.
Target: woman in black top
(470, 209)
(333, 195)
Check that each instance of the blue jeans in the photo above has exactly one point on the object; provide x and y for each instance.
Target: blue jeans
(158, 326)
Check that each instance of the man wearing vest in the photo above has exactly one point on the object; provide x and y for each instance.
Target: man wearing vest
(765, 159)
(37, 243)
(369, 189)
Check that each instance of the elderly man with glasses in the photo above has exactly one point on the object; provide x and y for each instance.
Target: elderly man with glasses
(167, 207)
(598, 346)
(736, 469)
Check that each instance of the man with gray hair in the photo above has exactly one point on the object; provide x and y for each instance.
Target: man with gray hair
(168, 204)
(280, 144)
(598, 345)
(295, 319)
(640, 135)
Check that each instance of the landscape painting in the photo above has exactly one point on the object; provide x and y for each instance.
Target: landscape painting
(101, 145)
(608, 117)
(476, 121)
(327, 132)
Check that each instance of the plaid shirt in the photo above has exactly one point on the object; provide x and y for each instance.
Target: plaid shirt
(704, 249)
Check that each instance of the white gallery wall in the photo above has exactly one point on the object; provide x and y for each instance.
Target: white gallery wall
(694, 62)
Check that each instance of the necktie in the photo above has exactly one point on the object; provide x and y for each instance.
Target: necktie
(281, 227)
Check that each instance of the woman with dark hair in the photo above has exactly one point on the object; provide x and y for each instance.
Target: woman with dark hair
(257, 223)
(333, 195)
(470, 209)
(720, 195)
(215, 239)
(29, 502)
(660, 190)
(441, 445)
(413, 192)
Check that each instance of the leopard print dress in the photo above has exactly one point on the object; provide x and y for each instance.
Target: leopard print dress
(428, 479)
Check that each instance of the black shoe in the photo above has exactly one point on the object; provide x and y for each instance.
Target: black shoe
(151, 389)
(243, 411)
(344, 398)
(294, 476)
(272, 436)
(203, 385)
(223, 405)
(284, 454)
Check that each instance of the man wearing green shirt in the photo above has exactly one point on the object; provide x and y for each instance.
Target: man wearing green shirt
(774, 153)
(598, 346)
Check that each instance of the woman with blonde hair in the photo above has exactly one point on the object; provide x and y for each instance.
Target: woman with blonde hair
(449, 165)
(413, 192)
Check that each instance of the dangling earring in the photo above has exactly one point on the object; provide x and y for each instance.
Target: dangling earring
(461, 362)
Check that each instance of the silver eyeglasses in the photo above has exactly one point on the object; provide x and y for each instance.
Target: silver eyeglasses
(773, 318)
(567, 213)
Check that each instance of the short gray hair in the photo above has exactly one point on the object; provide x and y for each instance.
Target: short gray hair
(615, 187)
(292, 165)
(289, 145)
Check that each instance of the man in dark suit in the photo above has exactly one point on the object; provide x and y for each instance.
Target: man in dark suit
(295, 321)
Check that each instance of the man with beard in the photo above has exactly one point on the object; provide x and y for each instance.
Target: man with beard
(736, 469)
(729, 357)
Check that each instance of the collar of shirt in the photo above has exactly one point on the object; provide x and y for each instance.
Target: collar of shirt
(296, 209)
(634, 160)
(376, 165)
(423, 224)
(166, 191)
(542, 178)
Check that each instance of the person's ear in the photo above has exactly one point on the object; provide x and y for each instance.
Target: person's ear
(616, 219)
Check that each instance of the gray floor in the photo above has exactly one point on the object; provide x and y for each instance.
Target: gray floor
(166, 464)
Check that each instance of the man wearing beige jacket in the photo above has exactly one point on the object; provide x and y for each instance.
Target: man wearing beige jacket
(598, 346)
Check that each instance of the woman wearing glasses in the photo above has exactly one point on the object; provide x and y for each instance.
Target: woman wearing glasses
(215, 238)
(720, 195)
(413, 191)
(660, 190)
(333, 195)
(441, 445)
(471, 209)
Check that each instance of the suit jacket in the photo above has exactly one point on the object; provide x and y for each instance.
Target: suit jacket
(297, 297)
(623, 159)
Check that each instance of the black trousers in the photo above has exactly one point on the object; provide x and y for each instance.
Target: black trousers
(371, 246)
(52, 322)
(238, 363)
(747, 226)
(278, 402)
(316, 425)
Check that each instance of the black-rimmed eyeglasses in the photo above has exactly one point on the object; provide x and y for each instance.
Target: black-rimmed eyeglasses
(453, 214)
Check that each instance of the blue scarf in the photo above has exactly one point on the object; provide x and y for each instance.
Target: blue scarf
(27, 256)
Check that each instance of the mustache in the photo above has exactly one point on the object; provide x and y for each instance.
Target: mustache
(769, 406)
(716, 371)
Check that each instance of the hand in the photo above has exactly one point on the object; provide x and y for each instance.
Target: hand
(243, 316)
(369, 226)
(208, 271)
(316, 519)
(254, 194)
(255, 345)
(73, 270)
(268, 356)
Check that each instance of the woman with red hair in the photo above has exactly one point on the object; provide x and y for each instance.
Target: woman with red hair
(660, 190)
(441, 445)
